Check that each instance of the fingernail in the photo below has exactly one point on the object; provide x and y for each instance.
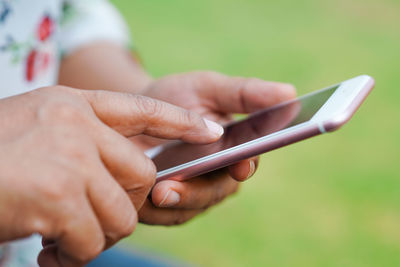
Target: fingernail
(170, 199)
(214, 127)
(252, 168)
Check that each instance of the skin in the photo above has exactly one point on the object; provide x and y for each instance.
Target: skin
(68, 166)
(212, 95)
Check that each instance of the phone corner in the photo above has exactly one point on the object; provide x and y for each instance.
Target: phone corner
(334, 124)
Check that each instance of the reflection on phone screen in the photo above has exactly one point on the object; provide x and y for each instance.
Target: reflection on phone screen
(257, 125)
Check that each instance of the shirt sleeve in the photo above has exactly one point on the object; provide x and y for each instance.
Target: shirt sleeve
(88, 21)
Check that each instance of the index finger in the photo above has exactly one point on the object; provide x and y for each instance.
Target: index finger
(134, 114)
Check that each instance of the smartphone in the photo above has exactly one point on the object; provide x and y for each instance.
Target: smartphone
(316, 113)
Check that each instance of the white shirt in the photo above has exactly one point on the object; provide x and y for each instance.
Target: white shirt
(34, 35)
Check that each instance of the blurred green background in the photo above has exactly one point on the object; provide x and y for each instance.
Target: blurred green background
(333, 200)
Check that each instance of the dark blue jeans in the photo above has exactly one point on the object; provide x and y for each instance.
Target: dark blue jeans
(122, 258)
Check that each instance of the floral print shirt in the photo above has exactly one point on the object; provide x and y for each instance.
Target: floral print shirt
(34, 35)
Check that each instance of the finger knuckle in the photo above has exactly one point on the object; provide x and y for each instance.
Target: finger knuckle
(92, 248)
(91, 245)
(129, 227)
(148, 106)
(52, 89)
(55, 191)
(64, 192)
(249, 82)
(149, 173)
(119, 204)
(79, 158)
(145, 178)
(209, 79)
(40, 226)
(60, 112)
(190, 119)
(67, 206)
(92, 251)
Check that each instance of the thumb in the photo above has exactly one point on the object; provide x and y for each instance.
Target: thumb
(240, 95)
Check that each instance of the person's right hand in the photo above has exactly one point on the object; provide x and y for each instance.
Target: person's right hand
(68, 173)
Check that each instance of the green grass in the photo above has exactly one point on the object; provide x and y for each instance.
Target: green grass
(330, 201)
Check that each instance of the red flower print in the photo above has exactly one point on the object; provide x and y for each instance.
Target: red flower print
(45, 29)
(30, 65)
(37, 62)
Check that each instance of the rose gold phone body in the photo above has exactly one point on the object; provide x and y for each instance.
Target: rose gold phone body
(340, 106)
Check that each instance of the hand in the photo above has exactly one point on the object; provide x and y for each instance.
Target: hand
(216, 97)
(68, 172)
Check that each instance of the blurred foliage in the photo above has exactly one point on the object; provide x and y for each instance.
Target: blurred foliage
(329, 201)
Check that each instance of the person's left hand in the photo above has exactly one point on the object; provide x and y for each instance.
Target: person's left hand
(216, 97)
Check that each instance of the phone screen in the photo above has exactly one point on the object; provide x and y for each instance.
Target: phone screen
(257, 125)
